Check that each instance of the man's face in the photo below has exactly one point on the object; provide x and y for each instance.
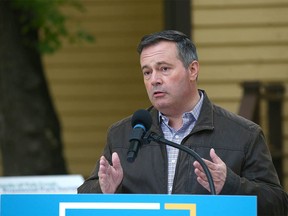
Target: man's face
(169, 85)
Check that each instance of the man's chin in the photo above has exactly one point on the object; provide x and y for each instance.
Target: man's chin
(162, 107)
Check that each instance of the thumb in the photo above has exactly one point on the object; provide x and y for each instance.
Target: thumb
(214, 156)
(116, 161)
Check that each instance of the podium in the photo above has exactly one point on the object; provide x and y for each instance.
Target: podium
(126, 205)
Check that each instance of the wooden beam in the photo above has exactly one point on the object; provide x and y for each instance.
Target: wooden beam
(177, 15)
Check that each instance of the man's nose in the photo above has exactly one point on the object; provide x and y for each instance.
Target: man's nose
(156, 78)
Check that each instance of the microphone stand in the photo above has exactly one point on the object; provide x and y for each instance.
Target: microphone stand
(156, 138)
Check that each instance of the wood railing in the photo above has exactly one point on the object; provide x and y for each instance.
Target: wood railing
(273, 95)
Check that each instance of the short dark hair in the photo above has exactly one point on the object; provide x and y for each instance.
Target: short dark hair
(186, 49)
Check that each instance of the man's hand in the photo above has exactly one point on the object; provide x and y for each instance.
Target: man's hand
(110, 177)
(218, 171)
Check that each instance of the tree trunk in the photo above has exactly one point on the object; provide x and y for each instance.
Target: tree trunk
(30, 137)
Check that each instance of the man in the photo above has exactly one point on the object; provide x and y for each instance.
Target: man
(233, 147)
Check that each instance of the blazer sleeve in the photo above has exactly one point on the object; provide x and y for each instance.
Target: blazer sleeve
(258, 177)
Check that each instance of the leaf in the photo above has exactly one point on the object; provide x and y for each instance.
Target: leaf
(46, 17)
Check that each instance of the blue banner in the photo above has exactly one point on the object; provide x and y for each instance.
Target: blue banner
(128, 205)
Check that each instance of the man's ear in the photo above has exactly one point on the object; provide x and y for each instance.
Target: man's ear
(194, 70)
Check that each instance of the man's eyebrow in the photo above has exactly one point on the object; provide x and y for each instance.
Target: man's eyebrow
(158, 64)
(163, 63)
(144, 67)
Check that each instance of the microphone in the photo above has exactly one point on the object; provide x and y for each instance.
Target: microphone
(141, 123)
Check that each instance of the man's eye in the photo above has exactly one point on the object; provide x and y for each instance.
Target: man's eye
(146, 74)
(164, 68)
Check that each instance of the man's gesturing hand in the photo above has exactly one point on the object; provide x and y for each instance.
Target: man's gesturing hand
(110, 177)
(218, 171)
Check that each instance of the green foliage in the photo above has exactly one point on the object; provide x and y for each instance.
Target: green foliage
(47, 17)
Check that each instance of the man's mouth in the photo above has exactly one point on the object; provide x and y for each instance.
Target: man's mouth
(158, 94)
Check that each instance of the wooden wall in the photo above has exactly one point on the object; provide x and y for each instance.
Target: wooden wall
(94, 85)
(242, 41)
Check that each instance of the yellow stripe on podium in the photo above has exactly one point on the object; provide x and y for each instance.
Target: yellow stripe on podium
(190, 207)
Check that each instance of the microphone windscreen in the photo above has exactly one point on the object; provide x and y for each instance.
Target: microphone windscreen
(143, 117)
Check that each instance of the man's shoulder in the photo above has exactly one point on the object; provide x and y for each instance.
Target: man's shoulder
(126, 121)
(229, 118)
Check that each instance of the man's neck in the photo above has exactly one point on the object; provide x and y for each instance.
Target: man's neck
(176, 118)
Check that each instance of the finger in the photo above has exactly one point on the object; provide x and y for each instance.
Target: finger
(200, 174)
(197, 165)
(208, 163)
(215, 158)
(205, 184)
(103, 163)
(103, 166)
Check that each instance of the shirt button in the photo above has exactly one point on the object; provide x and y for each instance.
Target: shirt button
(177, 136)
(173, 161)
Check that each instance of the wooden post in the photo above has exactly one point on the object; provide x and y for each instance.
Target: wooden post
(249, 107)
(275, 98)
(177, 15)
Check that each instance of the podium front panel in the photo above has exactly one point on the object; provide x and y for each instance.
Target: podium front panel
(126, 205)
